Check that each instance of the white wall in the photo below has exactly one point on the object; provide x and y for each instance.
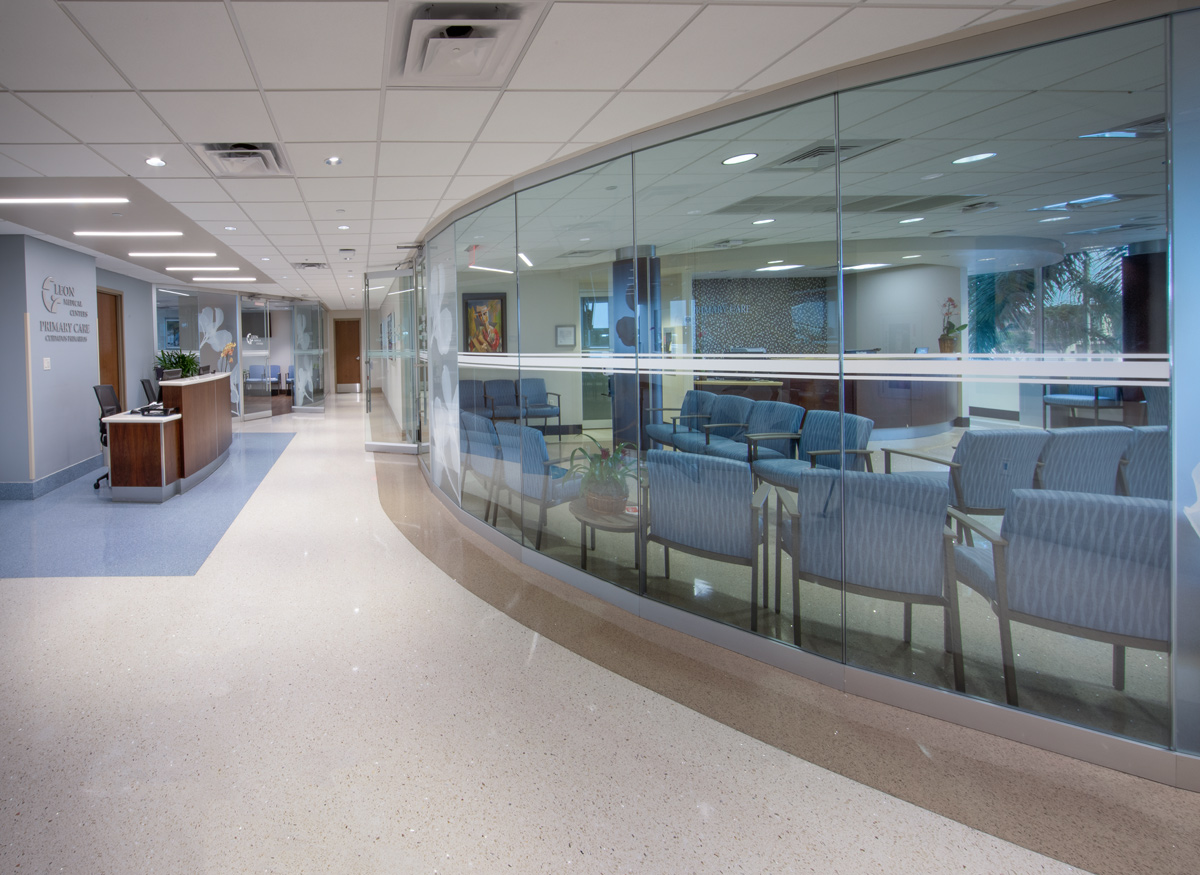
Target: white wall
(900, 309)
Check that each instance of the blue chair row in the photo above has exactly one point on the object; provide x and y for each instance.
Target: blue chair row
(514, 400)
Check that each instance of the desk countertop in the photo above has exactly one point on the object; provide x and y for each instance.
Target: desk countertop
(187, 381)
(131, 417)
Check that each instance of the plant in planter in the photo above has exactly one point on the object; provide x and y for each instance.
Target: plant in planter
(604, 483)
(170, 359)
(948, 339)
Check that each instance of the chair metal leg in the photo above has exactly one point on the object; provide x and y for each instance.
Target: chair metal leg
(754, 590)
(1006, 657)
(1118, 667)
(908, 623)
(666, 562)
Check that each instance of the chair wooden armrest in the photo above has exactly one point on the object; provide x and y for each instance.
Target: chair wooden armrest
(653, 409)
(710, 426)
(758, 501)
(753, 439)
(675, 419)
(787, 501)
(866, 454)
(979, 528)
(887, 458)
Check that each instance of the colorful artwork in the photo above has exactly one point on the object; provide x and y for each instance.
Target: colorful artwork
(484, 319)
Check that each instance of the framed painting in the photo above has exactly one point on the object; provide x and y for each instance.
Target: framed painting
(485, 321)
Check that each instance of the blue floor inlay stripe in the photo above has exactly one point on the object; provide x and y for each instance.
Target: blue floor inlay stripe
(76, 531)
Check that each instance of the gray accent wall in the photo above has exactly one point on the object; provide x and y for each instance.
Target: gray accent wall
(138, 314)
(14, 424)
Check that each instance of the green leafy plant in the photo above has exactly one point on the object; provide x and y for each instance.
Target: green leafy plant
(604, 471)
(170, 359)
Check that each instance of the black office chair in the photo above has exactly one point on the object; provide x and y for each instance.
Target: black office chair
(109, 405)
(148, 387)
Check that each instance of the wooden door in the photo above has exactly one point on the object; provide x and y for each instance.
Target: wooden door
(108, 319)
(347, 354)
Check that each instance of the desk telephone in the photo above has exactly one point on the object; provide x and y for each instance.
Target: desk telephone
(154, 410)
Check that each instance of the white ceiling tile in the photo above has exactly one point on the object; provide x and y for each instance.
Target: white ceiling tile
(411, 115)
(21, 124)
(307, 241)
(214, 116)
(597, 45)
(542, 116)
(315, 45)
(401, 159)
(61, 160)
(187, 189)
(41, 48)
(506, 159)
(132, 159)
(104, 117)
(860, 33)
(632, 110)
(355, 188)
(308, 159)
(395, 188)
(405, 209)
(358, 235)
(340, 209)
(326, 116)
(464, 187)
(276, 211)
(245, 232)
(397, 226)
(168, 46)
(262, 190)
(273, 227)
(9, 167)
(745, 39)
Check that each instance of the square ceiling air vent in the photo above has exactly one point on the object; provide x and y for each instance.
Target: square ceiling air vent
(461, 44)
(310, 265)
(242, 160)
(820, 154)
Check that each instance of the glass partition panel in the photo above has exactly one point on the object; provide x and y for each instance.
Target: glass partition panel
(1005, 300)
(574, 235)
(391, 354)
(308, 329)
(203, 324)
(738, 343)
(259, 382)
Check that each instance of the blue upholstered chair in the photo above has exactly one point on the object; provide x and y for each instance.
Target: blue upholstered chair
(899, 521)
(480, 446)
(988, 464)
(291, 377)
(502, 399)
(696, 407)
(820, 448)
(1146, 469)
(276, 377)
(1158, 405)
(1082, 459)
(772, 432)
(1094, 398)
(536, 402)
(706, 506)
(726, 419)
(1092, 566)
(257, 375)
(528, 472)
(472, 398)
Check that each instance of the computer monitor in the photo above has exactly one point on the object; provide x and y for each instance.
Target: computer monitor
(205, 369)
(921, 350)
(172, 374)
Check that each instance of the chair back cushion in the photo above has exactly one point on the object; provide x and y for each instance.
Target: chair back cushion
(532, 390)
(700, 501)
(478, 442)
(1148, 463)
(775, 416)
(470, 395)
(257, 372)
(821, 433)
(696, 402)
(995, 462)
(1158, 405)
(1096, 561)
(501, 391)
(1083, 459)
(732, 409)
(894, 525)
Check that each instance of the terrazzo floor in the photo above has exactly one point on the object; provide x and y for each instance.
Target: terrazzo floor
(322, 697)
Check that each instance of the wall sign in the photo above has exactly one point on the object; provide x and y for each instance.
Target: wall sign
(60, 300)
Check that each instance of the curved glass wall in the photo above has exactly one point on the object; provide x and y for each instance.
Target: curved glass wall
(884, 376)
(389, 310)
(308, 333)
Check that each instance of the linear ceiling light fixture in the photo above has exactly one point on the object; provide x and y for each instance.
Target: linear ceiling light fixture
(64, 200)
(172, 255)
(525, 258)
(399, 292)
(170, 292)
(223, 279)
(866, 266)
(971, 159)
(491, 269)
(128, 233)
(200, 267)
(779, 267)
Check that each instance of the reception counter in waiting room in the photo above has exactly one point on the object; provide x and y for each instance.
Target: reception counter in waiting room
(152, 458)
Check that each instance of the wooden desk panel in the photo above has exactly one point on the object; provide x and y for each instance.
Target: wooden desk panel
(207, 422)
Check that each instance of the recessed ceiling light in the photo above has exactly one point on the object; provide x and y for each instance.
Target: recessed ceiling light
(525, 258)
(156, 162)
(339, 212)
(693, 212)
(929, 176)
(779, 267)
(491, 269)
(198, 267)
(910, 256)
(128, 233)
(333, 160)
(776, 261)
(971, 159)
(741, 159)
(1054, 219)
(223, 279)
(762, 221)
(230, 227)
(989, 258)
(172, 255)
(343, 227)
(64, 200)
(585, 239)
(913, 219)
(864, 266)
(264, 258)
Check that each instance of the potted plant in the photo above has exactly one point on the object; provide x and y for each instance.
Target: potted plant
(604, 483)
(948, 339)
(170, 359)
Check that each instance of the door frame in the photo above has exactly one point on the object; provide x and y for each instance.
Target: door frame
(120, 331)
(355, 387)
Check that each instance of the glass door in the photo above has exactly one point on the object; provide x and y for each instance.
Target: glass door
(392, 395)
(256, 366)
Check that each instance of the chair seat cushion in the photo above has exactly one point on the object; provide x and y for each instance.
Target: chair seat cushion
(975, 567)
(784, 473)
(661, 432)
(738, 451)
(506, 411)
(690, 442)
(541, 410)
(1080, 401)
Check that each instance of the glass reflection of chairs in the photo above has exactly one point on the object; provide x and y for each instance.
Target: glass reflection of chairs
(819, 445)
(705, 506)
(276, 379)
(1145, 470)
(902, 517)
(529, 474)
(1072, 398)
(1091, 566)
(988, 464)
(481, 447)
(291, 378)
(110, 405)
(1084, 459)
(696, 407)
(473, 399)
(501, 398)
(771, 431)
(257, 378)
(535, 401)
(726, 419)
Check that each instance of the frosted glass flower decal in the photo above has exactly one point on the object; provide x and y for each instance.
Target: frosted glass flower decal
(1193, 513)
(444, 449)
(211, 333)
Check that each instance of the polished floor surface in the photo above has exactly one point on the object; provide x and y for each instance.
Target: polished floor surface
(335, 690)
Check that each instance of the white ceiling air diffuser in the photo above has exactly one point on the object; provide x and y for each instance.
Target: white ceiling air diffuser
(462, 44)
(242, 160)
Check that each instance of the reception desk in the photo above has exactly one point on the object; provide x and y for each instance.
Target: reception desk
(152, 458)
